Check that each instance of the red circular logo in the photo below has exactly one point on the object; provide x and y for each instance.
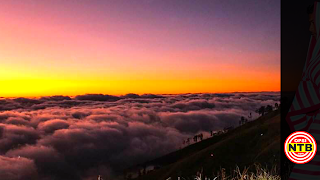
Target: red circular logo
(300, 147)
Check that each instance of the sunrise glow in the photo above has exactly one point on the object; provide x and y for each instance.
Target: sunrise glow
(78, 47)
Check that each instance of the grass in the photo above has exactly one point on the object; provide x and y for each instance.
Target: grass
(259, 174)
(240, 148)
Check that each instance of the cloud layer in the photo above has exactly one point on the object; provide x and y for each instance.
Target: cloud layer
(78, 138)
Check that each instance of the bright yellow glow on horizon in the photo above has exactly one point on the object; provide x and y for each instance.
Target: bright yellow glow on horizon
(225, 82)
(24, 81)
(34, 88)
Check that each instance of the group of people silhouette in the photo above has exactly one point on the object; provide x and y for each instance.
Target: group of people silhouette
(195, 139)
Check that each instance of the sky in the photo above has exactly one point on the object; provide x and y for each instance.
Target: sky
(69, 47)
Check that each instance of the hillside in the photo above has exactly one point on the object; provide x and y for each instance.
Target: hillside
(255, 142)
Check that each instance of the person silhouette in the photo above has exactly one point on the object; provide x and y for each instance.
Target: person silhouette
(304, 112)
(99, 177)
(201, 137)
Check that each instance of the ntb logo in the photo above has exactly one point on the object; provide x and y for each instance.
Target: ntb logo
(300, 147)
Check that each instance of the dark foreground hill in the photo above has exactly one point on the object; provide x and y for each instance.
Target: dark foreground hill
(257, 141)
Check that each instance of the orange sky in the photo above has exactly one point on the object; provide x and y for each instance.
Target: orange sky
(71, 48)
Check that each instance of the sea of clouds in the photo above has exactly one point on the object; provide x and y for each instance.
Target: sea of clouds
(65, 138)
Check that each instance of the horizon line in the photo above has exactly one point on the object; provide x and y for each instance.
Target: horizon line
(119, 95)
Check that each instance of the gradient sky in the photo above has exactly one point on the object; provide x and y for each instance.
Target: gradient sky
(69, 47)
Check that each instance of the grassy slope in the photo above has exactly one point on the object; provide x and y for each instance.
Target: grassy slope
(242, 146)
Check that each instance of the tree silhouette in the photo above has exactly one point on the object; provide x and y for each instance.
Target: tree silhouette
(261, 110)
(269, 109)
(242, 120)
(144, 170)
